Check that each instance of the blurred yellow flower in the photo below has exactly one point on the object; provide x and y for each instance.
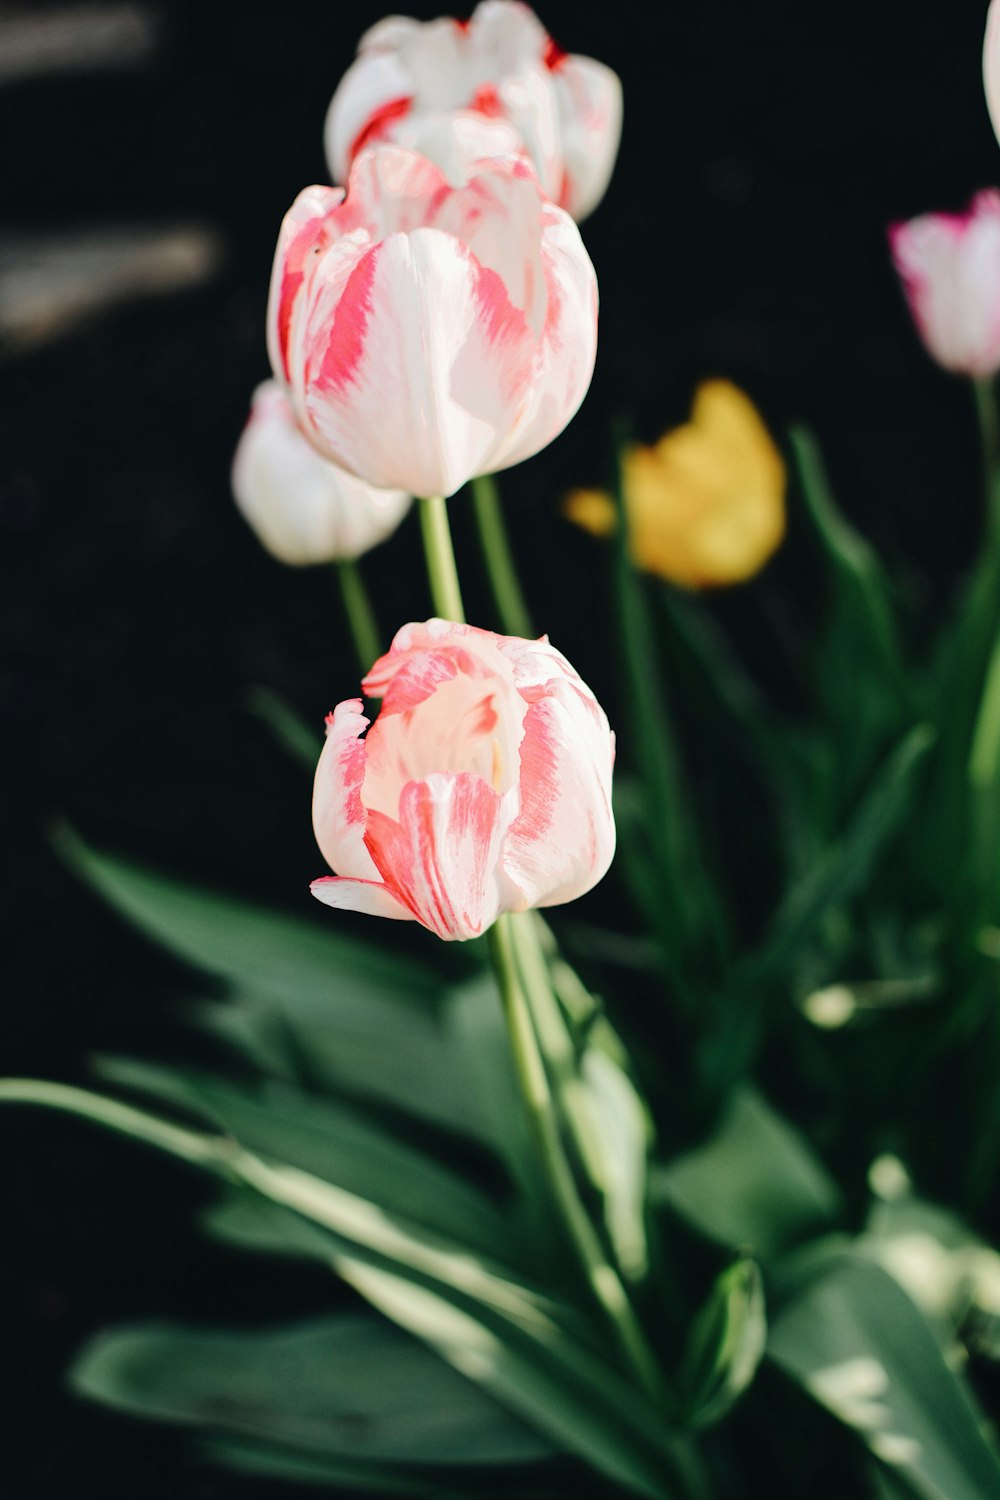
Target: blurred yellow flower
(706, 504)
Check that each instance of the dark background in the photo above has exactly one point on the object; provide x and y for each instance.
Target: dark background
(766, 146)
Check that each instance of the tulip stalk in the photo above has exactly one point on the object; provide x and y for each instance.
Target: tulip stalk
(440, 555)
(989, 432)
(526, 1018)
(500, 566)
(603, 1279)
(360, 614)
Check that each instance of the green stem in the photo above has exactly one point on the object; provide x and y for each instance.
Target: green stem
(440, 555)
(600, 1274)
(989, 433)
(500, 566)
(360, 614)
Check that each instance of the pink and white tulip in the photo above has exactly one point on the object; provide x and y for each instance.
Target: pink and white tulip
(566, 109)
(483, 786)
(949, 265)
(304, 508)
(991, 64)
(427, 332)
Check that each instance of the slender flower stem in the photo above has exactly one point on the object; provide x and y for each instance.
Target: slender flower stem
(989, 432)
(360, 614)
(528, 1060)
(602, 1277)
(500, 566)
(440, 555)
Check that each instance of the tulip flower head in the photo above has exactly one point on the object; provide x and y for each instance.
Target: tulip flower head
(706, 504)
(428, 332)
(991, 64)
(304, 508)
(566, 110)
(483, 786)
(949, 265)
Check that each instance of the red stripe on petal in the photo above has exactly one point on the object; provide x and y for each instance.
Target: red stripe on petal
(376, 127)
(308, 238)
(503, 322)
(440, 859)
(346, 343)
(554, 55)
(486, 101)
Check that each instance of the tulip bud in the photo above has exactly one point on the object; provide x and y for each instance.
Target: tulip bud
(483, 786)
(706, 504)
(304, 508)
(566, 109)
(949, 265)
(428, 332)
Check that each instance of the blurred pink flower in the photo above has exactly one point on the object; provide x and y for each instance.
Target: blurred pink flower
(304, 508)
(991, 63)
(566, 109)
(949, 265)
(483, 786)
(428, 332)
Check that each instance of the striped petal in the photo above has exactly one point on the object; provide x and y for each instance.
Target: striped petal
(440, 858)
(367, 896)
(423, 368)
(589, 102)
(563, 839)
(567, 346)
(338, 812)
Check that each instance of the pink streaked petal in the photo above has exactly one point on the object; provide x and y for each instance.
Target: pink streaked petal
(567, 349)
(338, 813)
(393, 190)
(506, 34)
(376, 81)
(440, 858)
(536, 664)
(563, 838)
(444, 366)
(424, 654)
(303, 229)
(499, 213)
(991, 64)
(589, 100)
(949, 265)
(367, 896)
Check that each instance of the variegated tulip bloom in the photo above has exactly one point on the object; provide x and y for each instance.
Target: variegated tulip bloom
(429, 332)
(483, 786)
(304, 508)
(949, 265)
(706, 504)
(566, 109)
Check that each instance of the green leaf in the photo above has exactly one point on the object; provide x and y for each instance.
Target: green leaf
(854, 1340)
(351, 1386)
(551, 1384)
(858, 670)
(335, 1142)
(690, 923)
(298, 740)
(613, 1131)
(307, 1000)
(846, 866)
(754, 1185)
(332, 1474)
(492, 1327)
(726, 1345)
